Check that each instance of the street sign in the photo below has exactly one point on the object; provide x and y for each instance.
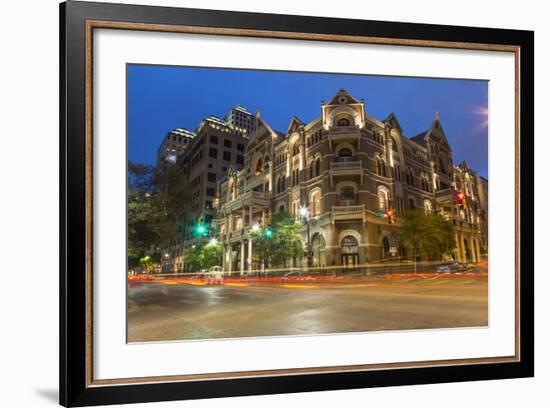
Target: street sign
(393, 250)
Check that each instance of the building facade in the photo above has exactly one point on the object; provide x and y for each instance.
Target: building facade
(173, 145)
(347, 168)
(219, 145)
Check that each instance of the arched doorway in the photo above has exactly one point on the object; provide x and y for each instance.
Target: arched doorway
(350, 251)
(467, 251)
(318, 247)
(385, 248)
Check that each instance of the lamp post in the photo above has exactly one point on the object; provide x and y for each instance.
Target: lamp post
(304, 213)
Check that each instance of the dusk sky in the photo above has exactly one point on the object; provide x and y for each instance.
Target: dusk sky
(161, 98)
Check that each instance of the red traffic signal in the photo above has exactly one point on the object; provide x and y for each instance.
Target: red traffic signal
(460, 199)
(390, 215)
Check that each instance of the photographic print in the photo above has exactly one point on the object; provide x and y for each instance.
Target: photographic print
(272, 203)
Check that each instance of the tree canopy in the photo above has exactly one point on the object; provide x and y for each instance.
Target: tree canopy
(430, 235)
(282, 244)
(157, 203)
(204, 255)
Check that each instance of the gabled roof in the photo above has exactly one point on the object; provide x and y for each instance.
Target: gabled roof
(420, 138)
(393, 122)
(435, 127)
(342, 93)
(294, 124)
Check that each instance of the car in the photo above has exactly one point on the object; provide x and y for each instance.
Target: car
(299, 274)
(214, 276)
(451, 267)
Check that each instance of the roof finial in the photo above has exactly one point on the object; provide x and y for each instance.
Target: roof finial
(437, 115)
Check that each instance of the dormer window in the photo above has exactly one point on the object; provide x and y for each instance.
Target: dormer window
(343, 122)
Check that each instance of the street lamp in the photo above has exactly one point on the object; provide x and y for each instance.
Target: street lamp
(255, 228)
(213, 241)
(304, 213)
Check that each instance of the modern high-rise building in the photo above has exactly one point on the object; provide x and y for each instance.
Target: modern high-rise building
(347, 169)
(241, 121)
(173, 145)
(218, 146)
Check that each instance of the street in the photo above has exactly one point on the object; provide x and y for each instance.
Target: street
(183, 310)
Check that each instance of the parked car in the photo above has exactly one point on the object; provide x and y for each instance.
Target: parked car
(451, 267)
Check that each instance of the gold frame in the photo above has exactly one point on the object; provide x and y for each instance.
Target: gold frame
(99, 24)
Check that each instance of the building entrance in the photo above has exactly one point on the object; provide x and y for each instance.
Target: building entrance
(350, 251)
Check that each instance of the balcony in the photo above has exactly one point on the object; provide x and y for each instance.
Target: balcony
(346, 167)
(250, 198)
(256, 181)
(344, 134)
(348, 212)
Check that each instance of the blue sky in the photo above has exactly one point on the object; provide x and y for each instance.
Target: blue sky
(161, 98)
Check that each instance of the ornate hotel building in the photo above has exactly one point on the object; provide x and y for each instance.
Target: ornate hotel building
(347, 168)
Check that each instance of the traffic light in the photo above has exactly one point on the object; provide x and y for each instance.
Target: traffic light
(460, 199)
(268, 232)
(390, 214)
(201, 230)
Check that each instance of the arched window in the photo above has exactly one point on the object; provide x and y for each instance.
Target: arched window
(412, 205)
(315, 203)
(427, 207)
(393, 144)
(258, 169)
(318, 247)
(383, 198)
(347, 196)
(318, 166)
(378, 166)
(349, 245)
(343, 122)
(311, 169)
(386, 247)
(281, 209)
(397, 172)
(295, 149)
(345, 153)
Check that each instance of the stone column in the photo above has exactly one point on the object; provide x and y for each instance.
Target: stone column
(457, 251)
(250, 216)
(249, 260)
(224, 258)
(473, 249)
(478, 248)
(242, 257)
(230, 268)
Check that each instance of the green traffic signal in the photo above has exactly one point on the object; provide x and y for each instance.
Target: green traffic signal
(268, 232)
(201, 229)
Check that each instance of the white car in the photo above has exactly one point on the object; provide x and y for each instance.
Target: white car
(214, 276)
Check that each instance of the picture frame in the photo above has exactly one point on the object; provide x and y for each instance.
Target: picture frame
(78, 20)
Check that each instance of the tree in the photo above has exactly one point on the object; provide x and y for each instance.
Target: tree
(426, 235)
(204, 255)
(157, 202)
(282, 244)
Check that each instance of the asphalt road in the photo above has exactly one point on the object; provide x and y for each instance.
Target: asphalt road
(181, 311)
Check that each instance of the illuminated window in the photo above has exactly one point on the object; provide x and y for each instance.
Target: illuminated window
(427, 207)
(315, 203)
(383, 198)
